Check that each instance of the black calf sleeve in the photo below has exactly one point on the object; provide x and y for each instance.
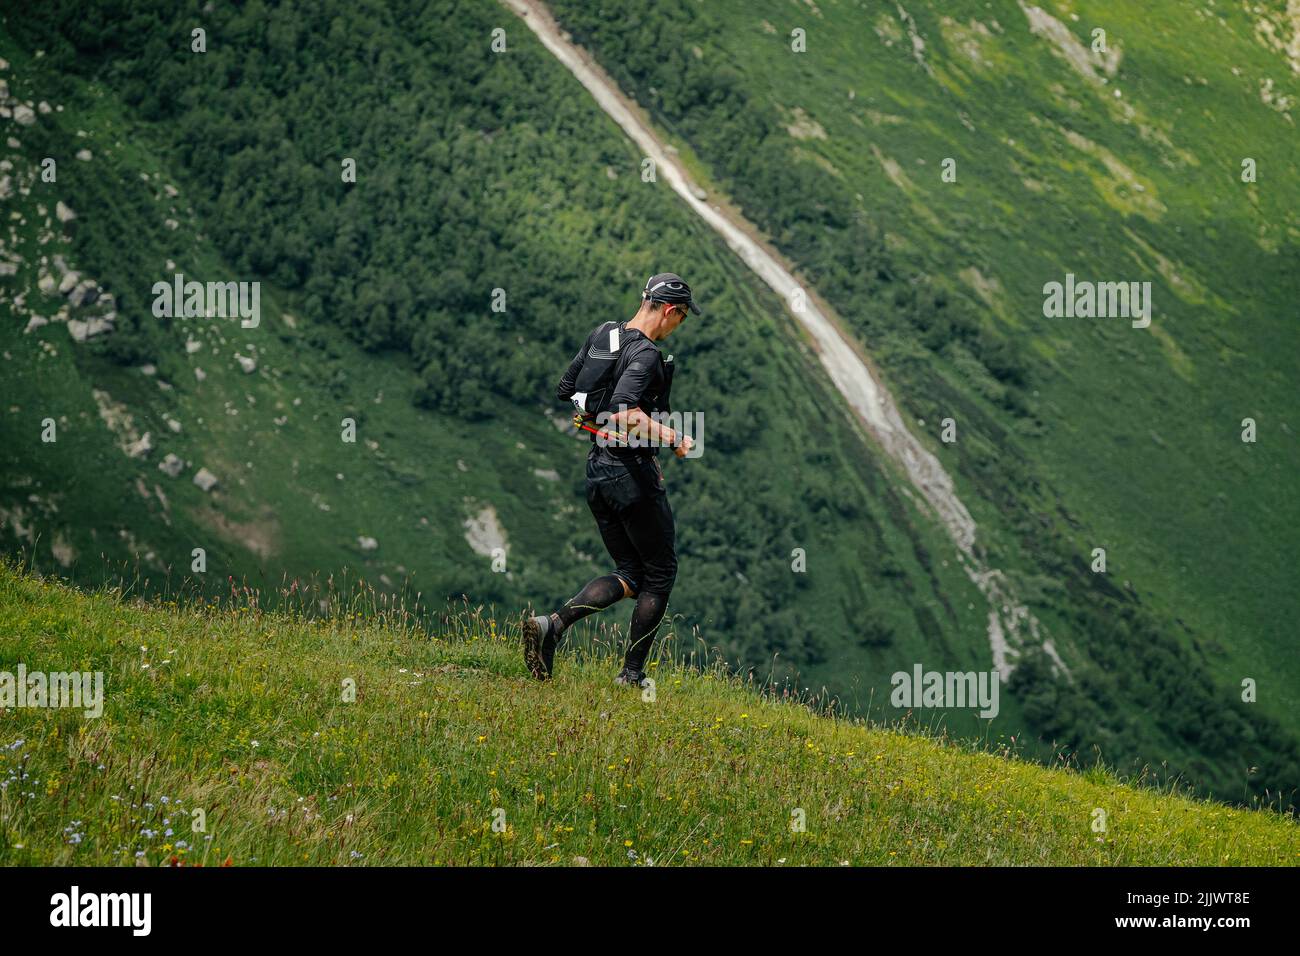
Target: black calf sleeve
(599, 594)
(650, 607)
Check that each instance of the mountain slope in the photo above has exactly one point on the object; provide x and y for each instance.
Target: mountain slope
(449, 754)
(377, 307)
(479, 172)
(1071, 435)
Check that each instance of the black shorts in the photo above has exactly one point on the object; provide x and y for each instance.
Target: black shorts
(631, 508)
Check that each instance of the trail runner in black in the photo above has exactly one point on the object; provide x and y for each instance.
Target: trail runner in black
(618, 381)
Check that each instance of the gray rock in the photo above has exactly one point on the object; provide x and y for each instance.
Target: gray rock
(84, 294)
(171, 466)
(140, 447)
(23, 115)
(205, 479)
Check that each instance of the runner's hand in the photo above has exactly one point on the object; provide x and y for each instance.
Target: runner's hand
(687, 443)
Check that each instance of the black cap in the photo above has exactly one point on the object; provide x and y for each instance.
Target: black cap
(669, 287)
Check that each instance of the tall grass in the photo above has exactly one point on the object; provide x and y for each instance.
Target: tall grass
(449, 754)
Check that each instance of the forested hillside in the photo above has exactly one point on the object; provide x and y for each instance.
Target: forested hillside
(476, 172)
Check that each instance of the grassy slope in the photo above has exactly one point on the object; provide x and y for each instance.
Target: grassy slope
(240, 714)
(821, 487)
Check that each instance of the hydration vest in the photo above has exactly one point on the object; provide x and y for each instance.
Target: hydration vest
(608, 354)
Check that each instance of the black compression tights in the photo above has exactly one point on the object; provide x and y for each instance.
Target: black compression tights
(599, 594)
(649, 612)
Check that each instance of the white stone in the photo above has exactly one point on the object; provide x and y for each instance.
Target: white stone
(140, 447)
(85, 293)
(171, 466)
(205, 479)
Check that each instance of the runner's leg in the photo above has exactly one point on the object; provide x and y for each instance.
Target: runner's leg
(652, 531)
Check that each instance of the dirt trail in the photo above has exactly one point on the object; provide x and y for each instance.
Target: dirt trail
(1009, 623)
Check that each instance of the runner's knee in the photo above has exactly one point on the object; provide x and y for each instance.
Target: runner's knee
(660, 575)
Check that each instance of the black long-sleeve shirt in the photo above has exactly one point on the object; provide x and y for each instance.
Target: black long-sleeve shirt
(639, 381)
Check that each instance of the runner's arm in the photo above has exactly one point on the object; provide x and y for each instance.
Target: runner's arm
(638, 422)
(631, 390)
(568, 384)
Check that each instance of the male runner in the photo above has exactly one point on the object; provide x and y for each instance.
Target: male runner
(625, 486)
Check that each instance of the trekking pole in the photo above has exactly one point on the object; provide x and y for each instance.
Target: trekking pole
(618, 436)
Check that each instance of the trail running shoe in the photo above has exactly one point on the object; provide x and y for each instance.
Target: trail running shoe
(549, 643)
(630, 676)
(539, 650)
